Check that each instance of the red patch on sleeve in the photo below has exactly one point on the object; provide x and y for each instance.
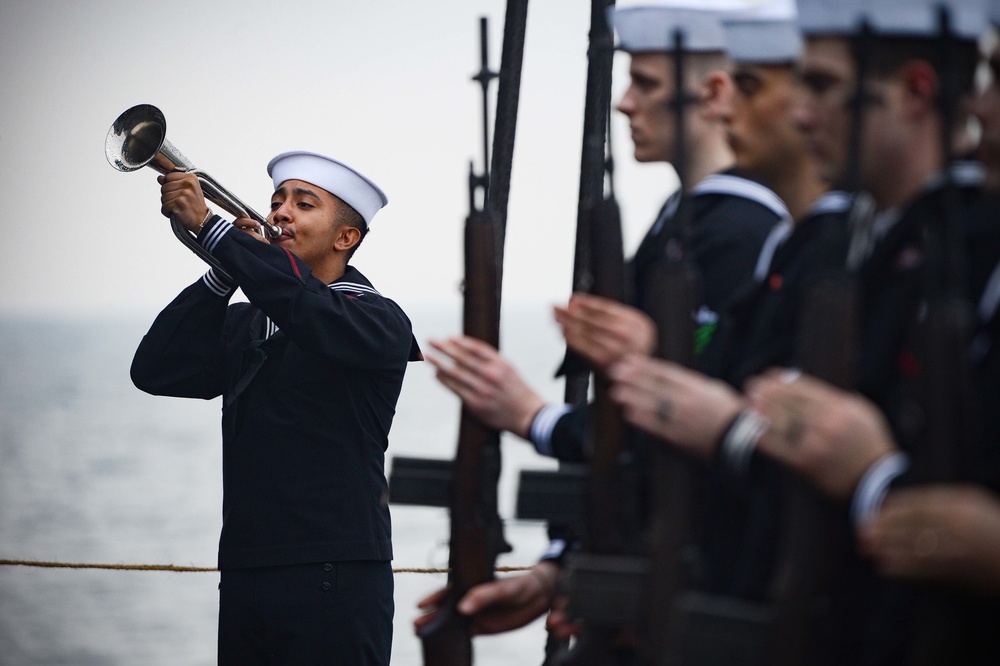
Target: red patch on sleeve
(909, 366)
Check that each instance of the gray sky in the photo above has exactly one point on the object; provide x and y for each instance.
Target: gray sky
(381, 84)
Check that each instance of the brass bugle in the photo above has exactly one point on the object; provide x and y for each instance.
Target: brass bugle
(138, 138)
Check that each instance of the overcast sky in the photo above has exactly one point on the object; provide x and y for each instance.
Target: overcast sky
(381, 84)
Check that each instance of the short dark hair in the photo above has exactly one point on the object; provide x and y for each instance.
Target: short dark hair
(888, 55)
(352, 218)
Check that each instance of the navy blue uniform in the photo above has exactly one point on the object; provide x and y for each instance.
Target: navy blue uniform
(758, 330)
(309, 374)
(730, 216)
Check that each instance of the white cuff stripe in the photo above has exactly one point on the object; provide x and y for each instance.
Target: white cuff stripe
(874, 485)
(215, 234)
(832, 202)
(555, 550)
(741, 439)
(216, 283)
(543, 425)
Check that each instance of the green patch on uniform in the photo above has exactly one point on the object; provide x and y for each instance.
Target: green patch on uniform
(703, 335)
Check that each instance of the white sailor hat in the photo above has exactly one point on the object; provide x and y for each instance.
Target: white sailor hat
(921, 18)
(651, 27)
(822, 17)
(902, 18)
(334, 176)
(763, 31)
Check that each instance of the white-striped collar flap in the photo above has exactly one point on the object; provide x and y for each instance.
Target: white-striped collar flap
(991, 296)
(835, 201)
(776, 238)
(355, 287)
(270, 328)
(722, 183)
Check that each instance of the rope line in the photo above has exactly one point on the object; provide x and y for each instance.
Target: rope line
(174, 567)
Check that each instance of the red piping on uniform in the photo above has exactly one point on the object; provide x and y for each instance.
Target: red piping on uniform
(295, 266)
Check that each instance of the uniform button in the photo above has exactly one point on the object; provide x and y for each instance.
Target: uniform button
(327, 567)
(325, 586)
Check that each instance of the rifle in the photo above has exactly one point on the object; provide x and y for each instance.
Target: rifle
(670, 296)
(603, 581)
(946, 391)
(672, 293)
(476, 530)
(813, 527)
(810, 548)
(594, 165)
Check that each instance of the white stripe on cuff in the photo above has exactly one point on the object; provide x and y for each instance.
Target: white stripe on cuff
(215, 233)
(542, 426)
(214, 281)
(741, 439)
(874, 485)
(555, 550)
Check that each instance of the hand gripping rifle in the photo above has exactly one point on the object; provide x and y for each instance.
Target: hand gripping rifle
(476, 530)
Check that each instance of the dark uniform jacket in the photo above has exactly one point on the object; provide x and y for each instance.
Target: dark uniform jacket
(869, 618)
(730, 216)
(759, 330)
(309, 374)
(896, 385)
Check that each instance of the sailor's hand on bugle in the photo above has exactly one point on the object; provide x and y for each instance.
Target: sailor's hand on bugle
(251, 227)
(182, 199)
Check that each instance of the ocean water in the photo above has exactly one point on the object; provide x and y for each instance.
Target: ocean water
(94, 471)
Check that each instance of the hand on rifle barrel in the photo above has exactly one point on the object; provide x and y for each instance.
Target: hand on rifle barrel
(503, 604)
(829, 436)
(944, 533)
(676, 404)
(603, 331)
(488, 385)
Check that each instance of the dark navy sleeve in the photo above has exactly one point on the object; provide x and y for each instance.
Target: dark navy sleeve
(358, 328)
(182, 353)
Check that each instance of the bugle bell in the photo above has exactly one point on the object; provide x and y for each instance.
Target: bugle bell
(138, 138)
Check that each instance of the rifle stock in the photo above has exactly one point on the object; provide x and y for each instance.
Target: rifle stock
(608, 519)
(809, 549)
(476, 530)
(672, 293)
(673, 286)
(593, 166)
(946, 386)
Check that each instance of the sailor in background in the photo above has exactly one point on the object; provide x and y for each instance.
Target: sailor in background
(730, 217)
(902, 167)
(309, 372)
(944, 533)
